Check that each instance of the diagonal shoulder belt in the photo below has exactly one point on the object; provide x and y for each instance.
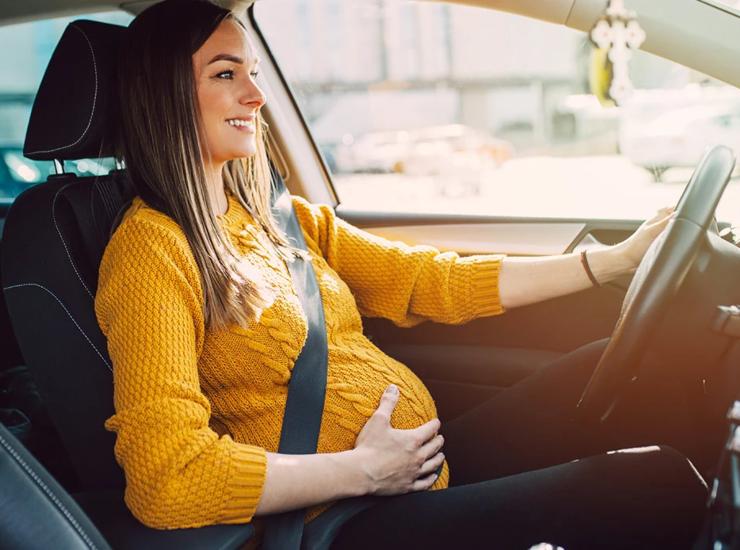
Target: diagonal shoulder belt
(307, 387)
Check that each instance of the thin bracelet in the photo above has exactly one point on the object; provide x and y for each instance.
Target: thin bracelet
(587, 268)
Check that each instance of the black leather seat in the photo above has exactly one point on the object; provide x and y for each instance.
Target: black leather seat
(35, 512)
(53, 240)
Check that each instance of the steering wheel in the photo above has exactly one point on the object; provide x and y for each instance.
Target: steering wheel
(656, 281)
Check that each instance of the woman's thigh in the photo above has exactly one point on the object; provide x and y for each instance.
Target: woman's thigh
(647, 499)
(527, 426)
(534, 423)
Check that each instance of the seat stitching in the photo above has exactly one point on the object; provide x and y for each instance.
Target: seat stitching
(48, 492)
(91, 201)
(101, 194)
(95, 97)
(59, 232)
(96, 184)
(110, 190)
(19, 285)
(105, 193)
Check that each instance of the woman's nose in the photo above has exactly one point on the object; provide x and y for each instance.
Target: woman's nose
(253, 95)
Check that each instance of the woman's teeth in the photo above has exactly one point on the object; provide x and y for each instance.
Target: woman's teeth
(241, 123)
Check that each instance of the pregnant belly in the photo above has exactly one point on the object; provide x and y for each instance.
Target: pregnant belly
(358, 374)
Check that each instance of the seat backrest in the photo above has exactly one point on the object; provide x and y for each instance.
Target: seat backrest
(54, 238)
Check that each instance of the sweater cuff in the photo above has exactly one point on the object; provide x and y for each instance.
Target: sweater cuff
(245, 483)
(483, 291)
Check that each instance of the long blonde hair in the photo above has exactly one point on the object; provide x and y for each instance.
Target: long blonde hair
(160, 144)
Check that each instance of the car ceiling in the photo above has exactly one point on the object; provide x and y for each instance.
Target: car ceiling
(695, 33)
(13, 11)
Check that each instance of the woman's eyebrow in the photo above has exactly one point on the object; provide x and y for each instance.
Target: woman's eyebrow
(226, 57)
(232, 58)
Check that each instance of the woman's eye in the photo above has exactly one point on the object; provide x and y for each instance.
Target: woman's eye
(254, 74)
(226, 75)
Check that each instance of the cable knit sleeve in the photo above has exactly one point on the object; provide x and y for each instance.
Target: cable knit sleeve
(406, 284)
(179, 472)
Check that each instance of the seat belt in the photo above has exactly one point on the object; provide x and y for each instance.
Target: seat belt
(307, 387)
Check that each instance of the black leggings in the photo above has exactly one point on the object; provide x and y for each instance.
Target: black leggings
(519, 477)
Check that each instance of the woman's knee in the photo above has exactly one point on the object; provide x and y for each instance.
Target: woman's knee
(663, 468)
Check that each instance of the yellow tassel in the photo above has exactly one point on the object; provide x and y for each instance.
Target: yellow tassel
(600, 76)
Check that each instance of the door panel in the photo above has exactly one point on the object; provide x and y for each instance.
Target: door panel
(558, 325)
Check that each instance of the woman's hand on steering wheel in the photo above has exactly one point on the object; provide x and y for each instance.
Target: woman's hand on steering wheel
(633, 248)
(398, 461)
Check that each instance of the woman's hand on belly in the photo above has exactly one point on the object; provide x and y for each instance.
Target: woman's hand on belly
(397, 461)
(384, 461)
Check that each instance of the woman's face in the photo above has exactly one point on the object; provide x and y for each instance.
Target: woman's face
(224, 68)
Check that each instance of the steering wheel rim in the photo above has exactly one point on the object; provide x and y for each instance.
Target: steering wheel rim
(657, 280)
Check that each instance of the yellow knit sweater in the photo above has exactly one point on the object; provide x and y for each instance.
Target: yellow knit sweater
(197, 409)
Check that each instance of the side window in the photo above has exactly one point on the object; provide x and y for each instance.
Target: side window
(438, 107)
(25, 50)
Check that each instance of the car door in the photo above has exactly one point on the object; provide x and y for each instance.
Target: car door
(471, 130)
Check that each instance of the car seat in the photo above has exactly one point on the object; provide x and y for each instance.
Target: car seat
(54, 237)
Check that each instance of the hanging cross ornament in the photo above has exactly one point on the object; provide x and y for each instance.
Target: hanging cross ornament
(616, 32)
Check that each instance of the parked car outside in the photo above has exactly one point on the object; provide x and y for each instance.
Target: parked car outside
(678, 134)
(422, 151)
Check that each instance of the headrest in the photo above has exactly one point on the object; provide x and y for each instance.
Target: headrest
(73, 113)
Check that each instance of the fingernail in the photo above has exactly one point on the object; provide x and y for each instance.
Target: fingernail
(392, 389)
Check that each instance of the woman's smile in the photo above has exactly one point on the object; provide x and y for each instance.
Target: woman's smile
(242, 124)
